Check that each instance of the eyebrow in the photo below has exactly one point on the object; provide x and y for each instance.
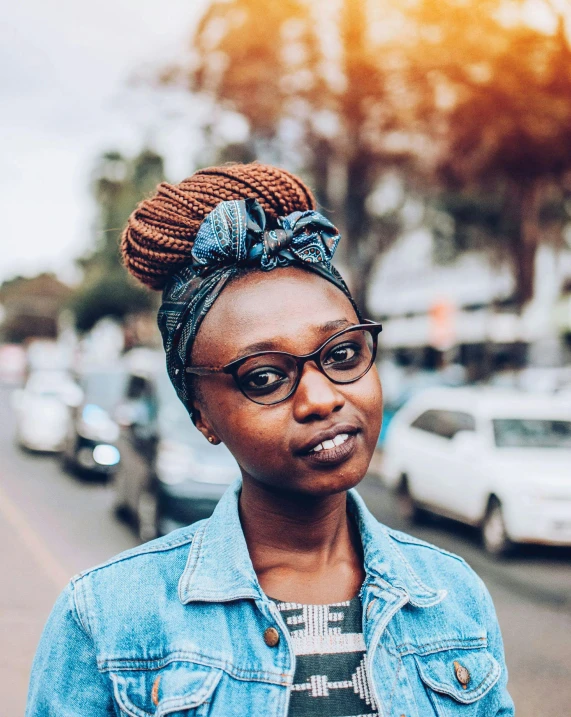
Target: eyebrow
(273, 344)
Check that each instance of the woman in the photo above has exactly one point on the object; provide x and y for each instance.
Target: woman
(291, 599)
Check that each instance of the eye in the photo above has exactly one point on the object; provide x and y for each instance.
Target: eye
(345, 353)
(263, 380)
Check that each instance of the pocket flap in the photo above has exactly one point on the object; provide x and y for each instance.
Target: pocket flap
(465, 675)
(178, 686)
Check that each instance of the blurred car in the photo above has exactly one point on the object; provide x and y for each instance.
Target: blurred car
(43, 410)
(496, 459)
(400, 386)
(169, 475)
(90, 445)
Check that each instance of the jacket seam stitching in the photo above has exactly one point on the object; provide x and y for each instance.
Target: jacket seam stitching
(433, 649)
(148, 551)
(189, 569)
(411, 572)
(394, 687)
(83, 620)
(410, 540)
(246, 676)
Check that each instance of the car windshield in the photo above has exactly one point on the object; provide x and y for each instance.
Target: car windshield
(532, 433)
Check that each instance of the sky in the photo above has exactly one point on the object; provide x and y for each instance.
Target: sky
(65, 95)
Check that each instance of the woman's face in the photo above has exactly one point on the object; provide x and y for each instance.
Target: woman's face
(289, 310)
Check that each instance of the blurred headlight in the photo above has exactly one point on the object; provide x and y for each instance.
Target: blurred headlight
(106, 455)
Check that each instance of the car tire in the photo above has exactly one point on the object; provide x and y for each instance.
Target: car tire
(495, 537)
(147, 516)
(407, 507)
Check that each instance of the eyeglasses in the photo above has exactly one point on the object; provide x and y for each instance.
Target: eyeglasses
(270, 377)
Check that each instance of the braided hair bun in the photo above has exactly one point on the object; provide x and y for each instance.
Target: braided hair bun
(160, 232)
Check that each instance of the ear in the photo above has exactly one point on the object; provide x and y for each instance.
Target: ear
(201, 422)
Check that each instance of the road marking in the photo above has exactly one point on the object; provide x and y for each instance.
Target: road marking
(50, 565)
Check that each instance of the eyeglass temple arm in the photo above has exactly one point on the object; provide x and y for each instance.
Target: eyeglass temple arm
(202, 370)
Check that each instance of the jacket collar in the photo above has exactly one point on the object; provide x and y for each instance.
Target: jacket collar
(219, 568)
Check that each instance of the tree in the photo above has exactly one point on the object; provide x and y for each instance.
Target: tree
(319, 111)
(467, 97)
(494, 95)
(107, 289)
(32, 307)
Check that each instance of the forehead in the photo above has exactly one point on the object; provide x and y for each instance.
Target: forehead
(286, 307)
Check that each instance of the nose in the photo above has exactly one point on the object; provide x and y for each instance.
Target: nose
(316, 396)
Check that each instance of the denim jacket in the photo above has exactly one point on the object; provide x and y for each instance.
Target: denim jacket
(176, 627)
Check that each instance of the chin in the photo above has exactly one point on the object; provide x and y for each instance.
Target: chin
(329, 483)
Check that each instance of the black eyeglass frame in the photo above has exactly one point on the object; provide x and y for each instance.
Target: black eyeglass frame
(232, 368)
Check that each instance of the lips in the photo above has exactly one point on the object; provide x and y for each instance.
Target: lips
(330, 457)
(328, 445)
(328, 440)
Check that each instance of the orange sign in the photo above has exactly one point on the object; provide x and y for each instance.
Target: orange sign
(442, 325)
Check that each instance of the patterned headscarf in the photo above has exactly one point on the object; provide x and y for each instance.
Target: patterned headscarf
(234, 236)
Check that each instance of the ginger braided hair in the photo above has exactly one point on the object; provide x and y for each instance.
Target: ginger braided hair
(160, 232)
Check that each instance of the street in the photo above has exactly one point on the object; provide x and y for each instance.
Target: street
(53, 525)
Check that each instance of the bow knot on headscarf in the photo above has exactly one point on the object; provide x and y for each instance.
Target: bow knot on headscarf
(235, 234)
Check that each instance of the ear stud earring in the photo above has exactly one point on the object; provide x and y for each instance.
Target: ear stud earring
(210, 439)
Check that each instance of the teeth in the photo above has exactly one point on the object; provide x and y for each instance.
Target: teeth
(327, 445)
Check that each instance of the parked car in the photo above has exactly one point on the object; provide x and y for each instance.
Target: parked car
(43, 410)
(399, 386)
(496, 459)
(90, 445)
(169, 475)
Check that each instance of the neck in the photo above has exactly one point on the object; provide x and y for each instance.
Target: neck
(292, 523)
(303, 548)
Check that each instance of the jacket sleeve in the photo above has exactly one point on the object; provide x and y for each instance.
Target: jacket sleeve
(65, 681)
(501, 703)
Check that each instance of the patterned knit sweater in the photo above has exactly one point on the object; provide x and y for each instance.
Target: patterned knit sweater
(331, 673)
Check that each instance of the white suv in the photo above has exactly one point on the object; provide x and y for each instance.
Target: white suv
(487, 457)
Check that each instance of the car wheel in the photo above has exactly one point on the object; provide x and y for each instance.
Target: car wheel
(407, 506)
(147, 516)
(494, 534)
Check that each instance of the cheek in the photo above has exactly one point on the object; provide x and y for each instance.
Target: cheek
(367, 397)
(251, 432)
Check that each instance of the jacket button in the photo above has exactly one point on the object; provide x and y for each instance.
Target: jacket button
(462, 674)
(271, 636)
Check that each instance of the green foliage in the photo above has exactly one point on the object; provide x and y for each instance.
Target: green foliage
(119, 183)
(112, 295)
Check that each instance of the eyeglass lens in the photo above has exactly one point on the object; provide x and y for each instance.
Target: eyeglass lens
(270, 377)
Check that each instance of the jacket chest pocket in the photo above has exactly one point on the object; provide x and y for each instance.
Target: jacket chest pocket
(457, 681)
(180, 689)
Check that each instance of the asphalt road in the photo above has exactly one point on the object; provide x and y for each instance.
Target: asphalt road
(53, 526)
